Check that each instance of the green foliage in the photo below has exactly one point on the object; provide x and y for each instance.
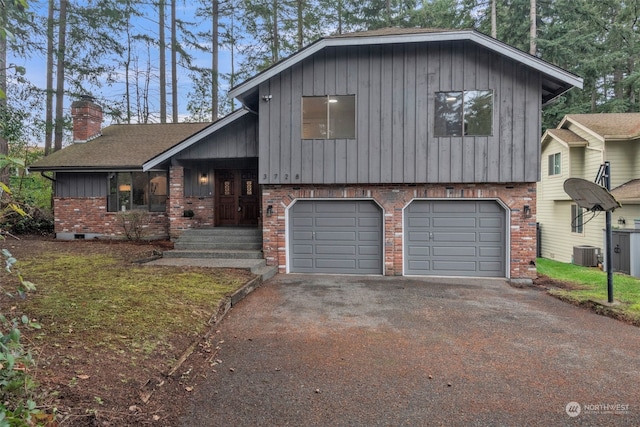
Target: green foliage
(26, 210)
(591, 284)
(17, 387)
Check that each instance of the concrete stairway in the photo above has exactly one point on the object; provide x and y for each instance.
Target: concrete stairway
(230, 247)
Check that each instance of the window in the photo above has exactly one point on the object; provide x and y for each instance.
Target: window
(137, 190)
(329, 117)
(555, 164)
(468, 113)
(577, 222)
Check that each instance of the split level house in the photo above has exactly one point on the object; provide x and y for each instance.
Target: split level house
(391, 152)
(577, 148)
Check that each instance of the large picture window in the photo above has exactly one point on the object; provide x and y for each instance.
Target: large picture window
(468, 113)
(137, 190)
(329, 117)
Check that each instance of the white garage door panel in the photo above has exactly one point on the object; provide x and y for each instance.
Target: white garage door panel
(455, 238)
(335, 236)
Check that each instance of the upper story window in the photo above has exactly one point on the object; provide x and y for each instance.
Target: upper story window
(329, 117)
(137, 190)
(468, 113)
(555, 164)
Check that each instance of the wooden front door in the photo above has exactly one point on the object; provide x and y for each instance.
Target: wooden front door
(237, 201)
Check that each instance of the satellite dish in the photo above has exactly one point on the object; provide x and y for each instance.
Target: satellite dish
(589, 195)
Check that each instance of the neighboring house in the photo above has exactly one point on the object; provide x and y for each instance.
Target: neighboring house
(396, 152)
(576, 149)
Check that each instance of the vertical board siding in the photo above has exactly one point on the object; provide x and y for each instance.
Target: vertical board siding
(374, 120)
(237, 140)
(81, 184)
(395, 88)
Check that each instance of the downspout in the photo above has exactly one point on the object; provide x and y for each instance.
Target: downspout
(50, 178)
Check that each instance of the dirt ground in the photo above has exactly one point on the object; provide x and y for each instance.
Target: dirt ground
(99, 397)
(85, 388)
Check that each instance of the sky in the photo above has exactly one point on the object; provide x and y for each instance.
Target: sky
(36, 65)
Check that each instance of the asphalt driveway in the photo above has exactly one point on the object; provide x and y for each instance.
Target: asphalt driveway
(388, 351)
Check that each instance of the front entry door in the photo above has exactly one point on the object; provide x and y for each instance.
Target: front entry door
(237, 201)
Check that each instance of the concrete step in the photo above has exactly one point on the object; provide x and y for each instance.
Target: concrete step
(256, 266)
(231, 246)
(213, 253)
(220, 238)
(223, 231)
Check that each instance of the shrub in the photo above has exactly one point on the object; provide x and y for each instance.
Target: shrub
(134, 223)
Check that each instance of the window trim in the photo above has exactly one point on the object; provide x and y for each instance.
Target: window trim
(577, 219)
(463, 131)
(327, 119)
(114, 178)
(552, 164)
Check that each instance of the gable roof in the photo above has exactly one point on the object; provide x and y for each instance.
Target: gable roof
(119, 147)
(628, 192)
(565, 137)
(555, 80)
(606, 126)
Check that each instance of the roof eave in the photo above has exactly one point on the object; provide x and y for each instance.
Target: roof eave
(536, 63)
(76, 169)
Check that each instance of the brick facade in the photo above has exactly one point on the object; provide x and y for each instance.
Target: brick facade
(202, 207)
(393, 198)
(88, 216)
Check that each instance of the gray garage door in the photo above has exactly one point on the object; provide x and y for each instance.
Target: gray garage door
(329, 236)
(455, 238)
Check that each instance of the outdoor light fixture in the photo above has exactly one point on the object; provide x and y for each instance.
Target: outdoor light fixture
(526, 211)
(203, 179)
(269, 210)
(124, 187)
(621, 220)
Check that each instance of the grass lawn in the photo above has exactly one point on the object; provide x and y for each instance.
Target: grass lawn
(95, 300)
(113, 330)
(589, 285)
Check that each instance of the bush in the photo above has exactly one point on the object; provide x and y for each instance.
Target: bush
(134, 223)
(36, 220)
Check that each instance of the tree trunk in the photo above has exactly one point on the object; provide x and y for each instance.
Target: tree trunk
(174, 64)
(215, 20)
(494, 20)
(533, 30)
(48, 136)
(300, 5)
(62, 34)
(4, 144)
(276, 36)
(127, 66)
(163, 63)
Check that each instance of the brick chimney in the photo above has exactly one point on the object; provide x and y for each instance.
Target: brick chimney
(87, 119)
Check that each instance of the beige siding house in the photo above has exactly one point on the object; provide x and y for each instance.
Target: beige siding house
(576, 149)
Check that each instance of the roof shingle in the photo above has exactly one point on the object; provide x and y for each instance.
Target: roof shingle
(609, 125)
(120, 147)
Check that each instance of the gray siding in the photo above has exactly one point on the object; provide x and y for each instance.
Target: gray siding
(237, 140)
(395, 86)
(81, 184)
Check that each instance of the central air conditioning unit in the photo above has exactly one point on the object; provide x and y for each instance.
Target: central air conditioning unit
(586, 256)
